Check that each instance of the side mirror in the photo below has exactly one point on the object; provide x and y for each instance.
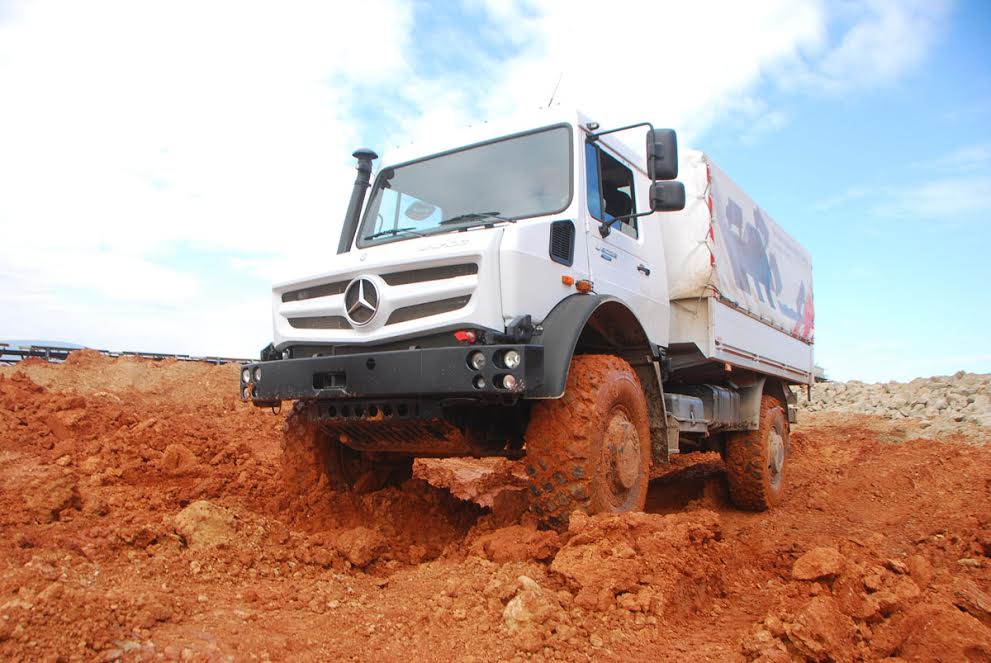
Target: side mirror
(667, 196)
(662, 154)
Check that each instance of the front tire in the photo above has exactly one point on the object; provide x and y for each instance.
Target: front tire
(590, 449)
(756, 460)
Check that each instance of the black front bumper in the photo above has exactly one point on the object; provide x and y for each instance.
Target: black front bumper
(435, 373)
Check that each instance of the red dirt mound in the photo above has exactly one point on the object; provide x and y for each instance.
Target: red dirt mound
(143, 515)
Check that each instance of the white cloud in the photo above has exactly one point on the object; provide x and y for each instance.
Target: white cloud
(133, 131)
(842, 198)
(685, 65)
(881, 42)
(965, 159)
(128, 125)
(960, 199)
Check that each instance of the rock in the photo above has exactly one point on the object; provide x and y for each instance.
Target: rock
(527, 611)
(818, 563)
(897, 566)
(177, 460)
(609, 554)
(983, 541)
(949, 400)
(205, 525)
(820, 629)
(50, 498)
(57, 428)
(943, 633)
(517, 543)
(902, 592)
(973, 601)
(361, 545)
(91, 465)
(920, 569)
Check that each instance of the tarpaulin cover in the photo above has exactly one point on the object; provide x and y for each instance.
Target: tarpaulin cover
(736, 252)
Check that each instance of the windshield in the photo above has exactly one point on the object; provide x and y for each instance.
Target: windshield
(504, 180)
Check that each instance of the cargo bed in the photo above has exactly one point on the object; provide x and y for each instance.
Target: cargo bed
(740, 286)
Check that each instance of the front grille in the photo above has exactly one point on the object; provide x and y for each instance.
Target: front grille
(322, 290)
(418, 311)
(430, 274)
(392, 278)
(321, 322)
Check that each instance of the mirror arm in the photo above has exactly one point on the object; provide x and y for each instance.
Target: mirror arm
(594, 137)
(605, 227)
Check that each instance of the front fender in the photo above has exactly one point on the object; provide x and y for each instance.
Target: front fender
(559, 336)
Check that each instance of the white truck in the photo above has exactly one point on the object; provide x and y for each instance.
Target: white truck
(540, 290)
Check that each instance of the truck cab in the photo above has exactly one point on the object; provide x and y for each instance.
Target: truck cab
(479, 286)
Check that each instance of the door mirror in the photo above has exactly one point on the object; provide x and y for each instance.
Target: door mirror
(662, 154)
(667, 196)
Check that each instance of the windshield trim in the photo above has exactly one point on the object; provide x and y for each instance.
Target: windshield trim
(362, 243)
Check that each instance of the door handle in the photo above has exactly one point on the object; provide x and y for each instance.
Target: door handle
(643, 268)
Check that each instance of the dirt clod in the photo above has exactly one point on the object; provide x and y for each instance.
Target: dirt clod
(818, 563)
(205, 525)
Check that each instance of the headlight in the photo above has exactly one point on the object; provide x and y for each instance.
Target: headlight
(246, 375)
(258, 373)
(287, 353)
(476, 360)
(511, 359)
(479, 382)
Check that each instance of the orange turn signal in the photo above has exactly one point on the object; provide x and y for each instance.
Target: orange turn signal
(584, 286)
(567, 280)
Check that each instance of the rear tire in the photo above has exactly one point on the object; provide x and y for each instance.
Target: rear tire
(312, 456)
(756, 460)
(590, 449)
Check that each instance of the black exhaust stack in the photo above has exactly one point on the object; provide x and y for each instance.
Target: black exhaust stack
(364, 167)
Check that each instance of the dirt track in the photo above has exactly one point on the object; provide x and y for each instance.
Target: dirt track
(143, 515)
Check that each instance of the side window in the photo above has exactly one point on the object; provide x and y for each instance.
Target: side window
(610, 189)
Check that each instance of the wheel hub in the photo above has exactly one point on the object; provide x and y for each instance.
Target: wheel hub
(622, 449)
(775, 456)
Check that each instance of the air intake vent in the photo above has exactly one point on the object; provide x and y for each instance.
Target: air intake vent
(562, 248)
(323, 322)
(312, 292)
(430, 308)
(430, 274)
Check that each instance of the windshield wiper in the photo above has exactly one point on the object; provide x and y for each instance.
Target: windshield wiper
(393, 231)
(473, 216)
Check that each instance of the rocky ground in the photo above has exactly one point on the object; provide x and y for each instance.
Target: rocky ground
(143, 516)
(945, 404)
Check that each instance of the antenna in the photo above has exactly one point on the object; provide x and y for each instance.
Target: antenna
(554, 93)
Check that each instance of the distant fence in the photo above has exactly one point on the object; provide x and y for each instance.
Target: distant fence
(13, 354)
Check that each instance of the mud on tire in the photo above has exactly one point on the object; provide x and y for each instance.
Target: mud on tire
(590, 449)
(756, 460)
(312, 457)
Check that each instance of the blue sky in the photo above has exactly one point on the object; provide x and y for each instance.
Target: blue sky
(162, 163)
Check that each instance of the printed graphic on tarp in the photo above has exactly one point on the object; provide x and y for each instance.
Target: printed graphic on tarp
(758, 266)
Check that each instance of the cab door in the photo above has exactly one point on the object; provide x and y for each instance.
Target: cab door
(620, 263)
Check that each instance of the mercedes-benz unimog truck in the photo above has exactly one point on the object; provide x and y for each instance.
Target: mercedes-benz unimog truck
(539, 290)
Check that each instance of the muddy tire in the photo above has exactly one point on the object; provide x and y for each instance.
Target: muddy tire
(756, 460)
(590, 449)
(312, 457)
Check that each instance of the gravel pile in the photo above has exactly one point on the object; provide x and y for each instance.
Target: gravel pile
(958, 398)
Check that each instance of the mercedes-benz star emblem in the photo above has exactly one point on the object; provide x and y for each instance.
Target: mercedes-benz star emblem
(361, 301)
